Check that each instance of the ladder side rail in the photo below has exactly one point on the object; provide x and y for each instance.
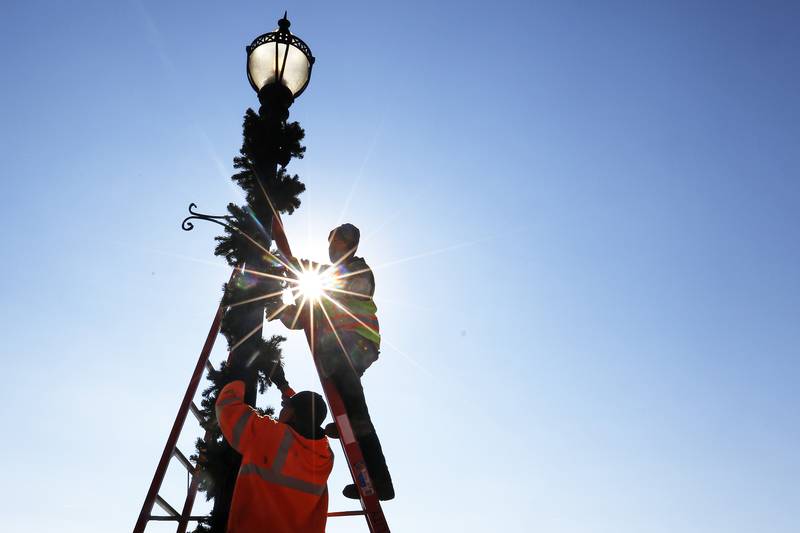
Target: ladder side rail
(191, 492)
(376, 521)
(183, 411)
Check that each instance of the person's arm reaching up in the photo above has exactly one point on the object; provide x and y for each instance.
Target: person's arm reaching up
(292, 317)
(237, 420)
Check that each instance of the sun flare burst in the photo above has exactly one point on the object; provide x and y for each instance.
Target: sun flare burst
(312, 283)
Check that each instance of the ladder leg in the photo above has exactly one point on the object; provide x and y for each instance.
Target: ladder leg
(191, 494)
(376, 521)
(183, 410)
(188, 504)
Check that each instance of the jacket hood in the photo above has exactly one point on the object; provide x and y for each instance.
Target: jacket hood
(319, 448)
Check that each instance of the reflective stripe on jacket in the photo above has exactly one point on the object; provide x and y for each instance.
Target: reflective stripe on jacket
(358, 316)
(353, 312)
(282, 482)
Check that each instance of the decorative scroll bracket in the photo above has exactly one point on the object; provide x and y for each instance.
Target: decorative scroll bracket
(188, 226)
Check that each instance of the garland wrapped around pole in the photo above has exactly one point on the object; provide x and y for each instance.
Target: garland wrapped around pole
(270, 142)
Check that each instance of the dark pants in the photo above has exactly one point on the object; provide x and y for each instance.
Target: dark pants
(347, 379)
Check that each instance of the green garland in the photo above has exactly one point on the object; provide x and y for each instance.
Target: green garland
(269, 144)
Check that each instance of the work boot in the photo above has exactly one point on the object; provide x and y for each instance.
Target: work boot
(350, 491)
(331, 431)
(384, 492)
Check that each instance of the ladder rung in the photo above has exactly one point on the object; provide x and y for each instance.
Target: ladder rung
(182, 458)
(209, 366)
(167, 507)
(176, 518)
(197, 414)
(347, 513)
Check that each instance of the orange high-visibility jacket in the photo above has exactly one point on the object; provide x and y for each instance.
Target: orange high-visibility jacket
(282, 483)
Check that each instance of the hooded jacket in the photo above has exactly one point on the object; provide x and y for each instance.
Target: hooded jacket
(282, 482)
(354, 310)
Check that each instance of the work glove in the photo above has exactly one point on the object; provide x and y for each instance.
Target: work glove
(287, 392)
(279, 379)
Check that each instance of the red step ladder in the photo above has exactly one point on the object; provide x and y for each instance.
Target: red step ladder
(371, 508)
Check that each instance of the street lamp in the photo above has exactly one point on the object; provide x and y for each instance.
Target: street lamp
(279, 66)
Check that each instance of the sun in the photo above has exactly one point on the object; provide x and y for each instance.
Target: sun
(312, 283)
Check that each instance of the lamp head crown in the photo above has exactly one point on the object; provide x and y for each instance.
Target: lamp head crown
(283, 24)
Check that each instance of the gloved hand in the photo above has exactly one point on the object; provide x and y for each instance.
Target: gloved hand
(287, 392)
(279, 379)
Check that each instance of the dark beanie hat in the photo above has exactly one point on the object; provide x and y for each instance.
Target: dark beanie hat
(348, 233)
(309, 411)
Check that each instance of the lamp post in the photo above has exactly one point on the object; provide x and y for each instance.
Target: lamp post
(278, 68)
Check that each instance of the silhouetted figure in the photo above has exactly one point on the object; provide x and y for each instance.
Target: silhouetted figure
(347, 342)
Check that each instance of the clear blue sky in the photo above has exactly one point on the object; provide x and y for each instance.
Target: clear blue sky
(606, 340)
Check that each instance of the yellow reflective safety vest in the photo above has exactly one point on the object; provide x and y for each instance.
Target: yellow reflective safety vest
(352, 308)
(282, 482)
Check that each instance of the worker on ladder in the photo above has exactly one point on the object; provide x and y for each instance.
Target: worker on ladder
(347, 341)
(282, 481)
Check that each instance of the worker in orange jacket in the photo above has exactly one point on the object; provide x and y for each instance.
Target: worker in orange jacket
(282, 482)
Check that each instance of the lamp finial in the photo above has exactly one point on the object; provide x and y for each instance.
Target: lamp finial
(283, 24)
